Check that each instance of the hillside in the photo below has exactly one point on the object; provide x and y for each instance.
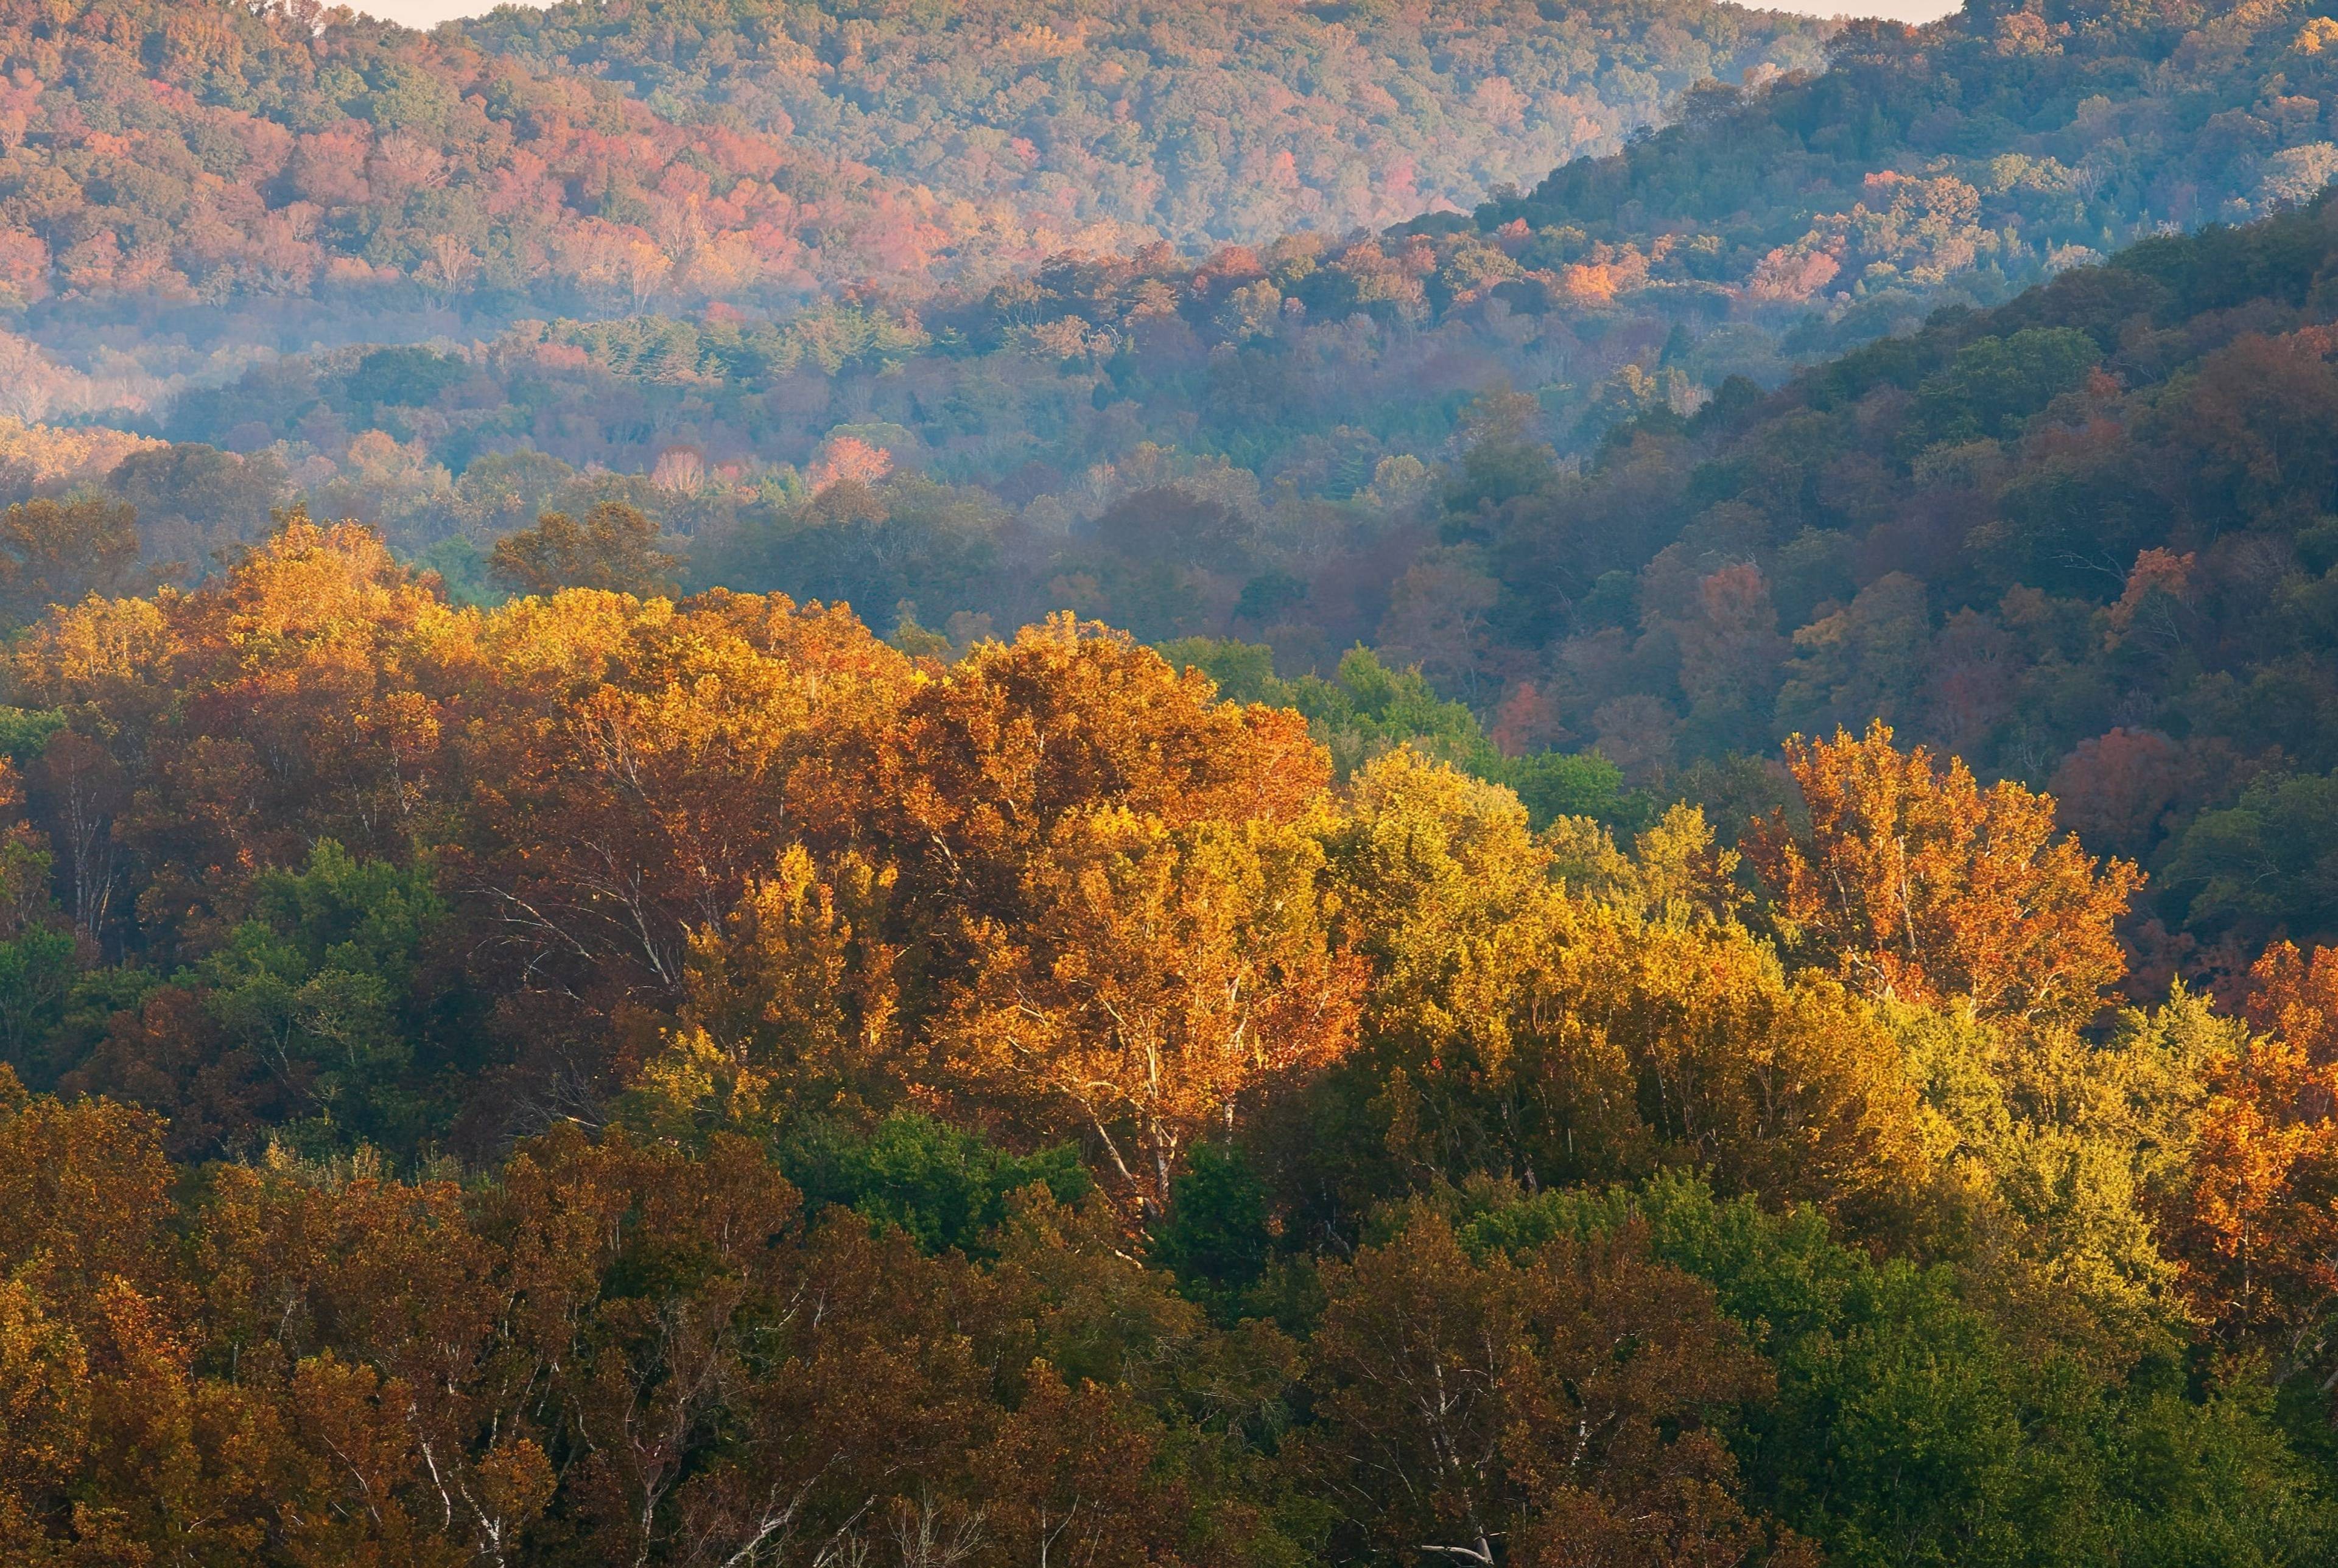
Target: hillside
(1954, 164)
(160, 153)
(1197, 123)
(2001, 143)
(199, 153)
(2082, 537)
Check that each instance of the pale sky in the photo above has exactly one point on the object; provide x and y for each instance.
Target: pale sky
(430, 13)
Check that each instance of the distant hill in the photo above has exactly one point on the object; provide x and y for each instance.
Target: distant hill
(2002, 142)
(1196, 121)
(201, 150)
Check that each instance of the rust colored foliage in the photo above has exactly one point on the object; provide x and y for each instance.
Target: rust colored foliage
(2256, 1223)
(1556, 1404)
(302, 696)
(1911, 880)
(1092, 889)
(617, 1350)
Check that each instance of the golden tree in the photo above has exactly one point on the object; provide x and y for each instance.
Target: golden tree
(1911, 880)
(1158, 978)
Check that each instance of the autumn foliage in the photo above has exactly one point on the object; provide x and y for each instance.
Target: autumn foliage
(2259, 1216)
(1912, 881)
(683, 1081)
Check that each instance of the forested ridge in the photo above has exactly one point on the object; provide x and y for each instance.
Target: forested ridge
(156, 153)
(1241, 122)
(1309, 386)
(2082, 539)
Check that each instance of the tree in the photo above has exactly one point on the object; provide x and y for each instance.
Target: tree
(1520, 1022)
(614, 549)
(947, 1186)
(1156, 981)
(1731, 649)
(1911, 880)
(63, 552)
(793, 1008)
(2262, 864)
(2256, 1222)
(1501, 458)
(1994, 383)
(322, 987)
(1559, 1406)
(307, 688)
(1216, 1239)
(631, 763)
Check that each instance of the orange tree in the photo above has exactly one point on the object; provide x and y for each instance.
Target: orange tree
(1912, 881)
(2256, 1225)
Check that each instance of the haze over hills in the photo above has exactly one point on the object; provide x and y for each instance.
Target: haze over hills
(1310, 387)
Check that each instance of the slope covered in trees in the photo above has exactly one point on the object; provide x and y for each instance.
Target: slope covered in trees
(1306, 388)
(158, 153)
(595, 161)
(2081, 537)
(612, 1078)
(172, 153)
(1197, 123)
(2002, 141)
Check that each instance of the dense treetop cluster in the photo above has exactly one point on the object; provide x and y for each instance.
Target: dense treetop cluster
(685, 1081)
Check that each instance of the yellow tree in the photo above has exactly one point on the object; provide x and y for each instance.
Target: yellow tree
(630, 764)
(298, 696)
(1429, 864)
(794, 1004)
(1157, 977)
(1911, 880)
(113, 1447)
(1618, 1045)
(1521, 1024)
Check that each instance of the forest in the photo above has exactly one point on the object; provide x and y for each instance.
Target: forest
(608, 159)
(607, 1078)
(1145, 785)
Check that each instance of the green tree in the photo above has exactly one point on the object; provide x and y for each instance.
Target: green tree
(1215, 1236)
(614, 548)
